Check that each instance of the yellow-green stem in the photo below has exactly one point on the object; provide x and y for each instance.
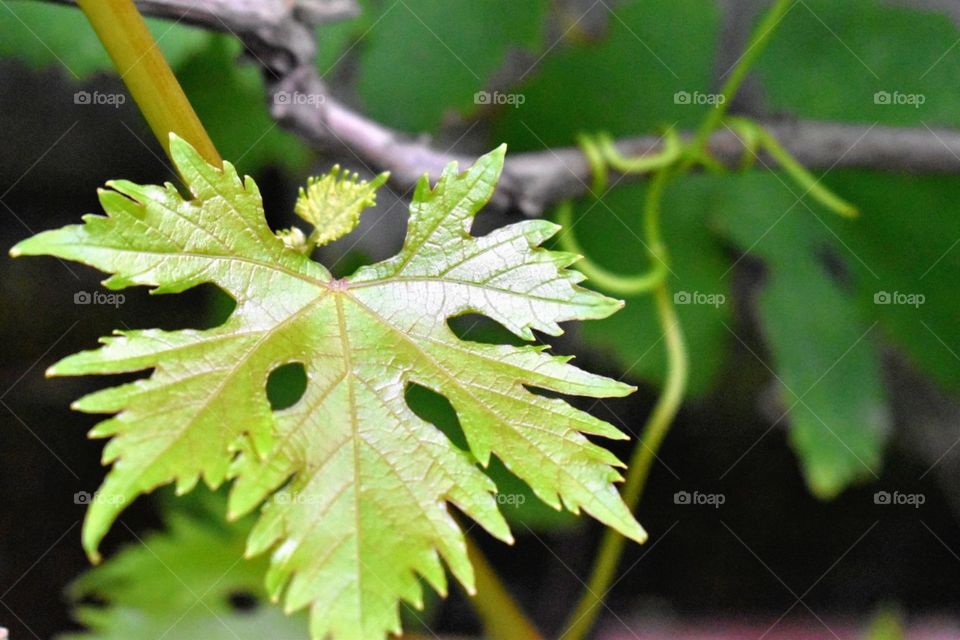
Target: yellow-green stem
(658, 424)
(632, 285)
(655, 430)
(758, 42)
(811, 185)
(148, 77)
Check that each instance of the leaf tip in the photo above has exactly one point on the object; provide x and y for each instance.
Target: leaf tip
(622, 390)
(641, 537)
(91, 542)
(176, 140)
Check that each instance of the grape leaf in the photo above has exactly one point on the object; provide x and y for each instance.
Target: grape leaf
(623, 83)
(817, 341)
(896, 255)
(184, 583)
(873, 69)
(821, 345)
(861, 61)
(364, 481)
(462, 42)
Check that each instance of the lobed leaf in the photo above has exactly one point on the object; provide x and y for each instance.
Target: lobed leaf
(356, 485)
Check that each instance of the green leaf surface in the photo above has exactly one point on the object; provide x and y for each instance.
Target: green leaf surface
(830, 59)
(819, 333)
(454, 46)
(520, 506)
(625, 82)
(907, 246)
(182, 583)
(840, 55)
(363, 482)
(821, 346)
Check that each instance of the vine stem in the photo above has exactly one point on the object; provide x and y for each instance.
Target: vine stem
(759, 39)
(671, 396)
(153, 85)
(658, 424)
(148, 77)
(654, 432)
(602, 154)
(632, 285)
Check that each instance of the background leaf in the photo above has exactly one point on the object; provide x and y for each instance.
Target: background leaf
(624, 82)
(610, 232)
(234, 110)
(189, 582)
(822, 353)
(454, 47)
(840, 54)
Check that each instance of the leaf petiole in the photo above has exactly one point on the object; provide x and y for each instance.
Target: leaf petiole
(148, 77)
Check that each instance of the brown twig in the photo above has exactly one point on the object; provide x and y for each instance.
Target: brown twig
(279, 34)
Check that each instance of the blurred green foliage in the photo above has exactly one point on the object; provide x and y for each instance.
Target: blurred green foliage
(452, 49)
(233, 110)
(623, 82)
(830, 59)
(816, 307)
(188, 582)
(43, 34)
